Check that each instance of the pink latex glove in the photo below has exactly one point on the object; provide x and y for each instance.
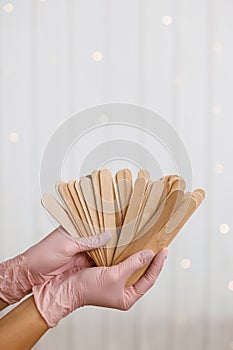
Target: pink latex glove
(98, 286)
(56, 253)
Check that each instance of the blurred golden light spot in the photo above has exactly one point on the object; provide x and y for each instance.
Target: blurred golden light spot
(218, 168)
(103, 119)
(216, 109)
(230, 285)
(167, 20)
(224, 228)
(217, 46)
(185, 264)
(8, 7)
(13, 137)
(97, 56)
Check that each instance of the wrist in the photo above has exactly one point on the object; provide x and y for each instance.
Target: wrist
(57, 298)
(14, 282)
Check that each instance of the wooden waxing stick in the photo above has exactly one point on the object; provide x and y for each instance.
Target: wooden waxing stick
(67, 198)
(107, 196)
(162, 239)
(60, 197)
(182, 213)
(171, 182)
(151, 204)
(68, 193)
(83, 223)
(62, 188)
(80, 204)
(175, 182)
(175, 219)
(83, 226)
(127, 231)
(142, 207)
(117, 208)
(179, 212)
(200, 191)
(89, 197)
(157, 213)
(166, 187)
(99, 206)
(151, 228)
(88, 194)
(97, 193)
(83, 210)
(59, 214)
(144, 173)
(87, 232)
(123, 179)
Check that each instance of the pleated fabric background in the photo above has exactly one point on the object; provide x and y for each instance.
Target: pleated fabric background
(58, 57)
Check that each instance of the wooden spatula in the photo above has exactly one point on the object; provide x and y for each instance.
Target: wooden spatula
(128, 229)
(164, 237)
(109, 219)
(59, 214)
(123, 180)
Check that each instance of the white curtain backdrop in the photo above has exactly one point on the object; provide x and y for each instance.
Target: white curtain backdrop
(58, 57)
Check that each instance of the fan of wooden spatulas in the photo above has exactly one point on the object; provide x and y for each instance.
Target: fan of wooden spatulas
(146, 214)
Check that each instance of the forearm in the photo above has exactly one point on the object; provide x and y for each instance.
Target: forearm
(21, 328)
(3, 304)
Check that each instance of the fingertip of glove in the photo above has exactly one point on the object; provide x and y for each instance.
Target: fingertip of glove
(102, 238)
(164, 252)
(106, 236)
(95, 241)
(147, 255)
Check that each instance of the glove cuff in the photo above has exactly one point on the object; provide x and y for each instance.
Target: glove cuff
(55, 299)
(14, 282)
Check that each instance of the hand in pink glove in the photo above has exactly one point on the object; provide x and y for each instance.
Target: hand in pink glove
(99, 286)
(56, 253)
